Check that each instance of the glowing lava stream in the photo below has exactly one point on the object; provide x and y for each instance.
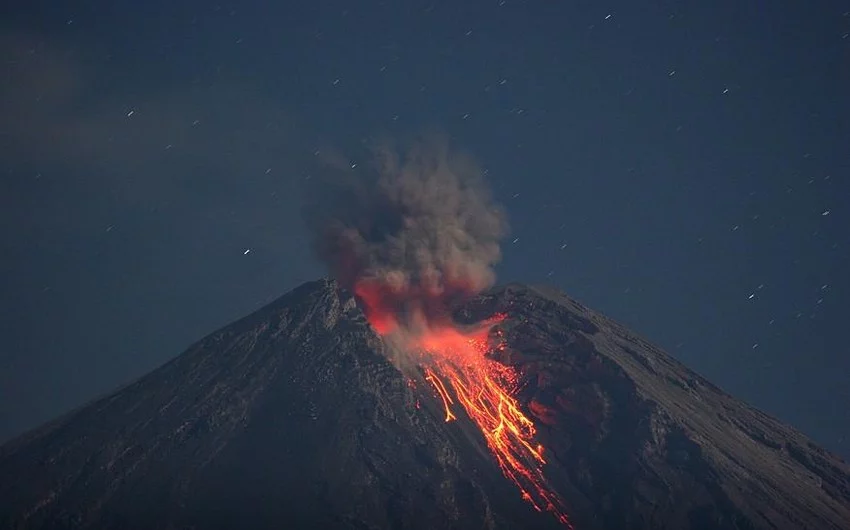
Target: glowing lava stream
(456, 365)
(483, 387)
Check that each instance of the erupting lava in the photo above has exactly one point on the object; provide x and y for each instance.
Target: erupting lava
(410, 236)
(455, 362)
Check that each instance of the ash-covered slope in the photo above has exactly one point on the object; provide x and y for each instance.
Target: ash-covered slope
(648, 441)
(289, 418)
(292, 417)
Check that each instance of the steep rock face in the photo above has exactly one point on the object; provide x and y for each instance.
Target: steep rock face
(649, 442)
(293, 417)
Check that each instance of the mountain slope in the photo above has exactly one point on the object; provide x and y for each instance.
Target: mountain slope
(293, 417)
(651, 442)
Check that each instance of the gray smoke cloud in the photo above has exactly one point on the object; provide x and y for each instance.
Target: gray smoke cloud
(408, 231)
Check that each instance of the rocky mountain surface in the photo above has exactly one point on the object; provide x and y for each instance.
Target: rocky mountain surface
(293, 418)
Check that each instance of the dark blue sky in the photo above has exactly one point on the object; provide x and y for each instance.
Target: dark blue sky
(682, 168)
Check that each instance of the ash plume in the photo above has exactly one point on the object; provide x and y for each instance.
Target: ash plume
(409, 232)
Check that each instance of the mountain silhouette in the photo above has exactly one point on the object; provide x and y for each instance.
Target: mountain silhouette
(293, 417)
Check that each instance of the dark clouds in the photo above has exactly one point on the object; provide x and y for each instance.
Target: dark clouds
(65, 107)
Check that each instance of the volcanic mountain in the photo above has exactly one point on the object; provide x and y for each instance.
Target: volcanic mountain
(294, 417)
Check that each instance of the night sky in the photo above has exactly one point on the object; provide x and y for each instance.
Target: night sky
(682, 168)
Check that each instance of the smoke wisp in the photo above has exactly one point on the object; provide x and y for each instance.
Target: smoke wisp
(409, 232)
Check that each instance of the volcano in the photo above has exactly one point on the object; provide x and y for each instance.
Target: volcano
(296, 417)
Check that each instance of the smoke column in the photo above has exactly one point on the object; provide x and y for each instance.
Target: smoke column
(409, 233)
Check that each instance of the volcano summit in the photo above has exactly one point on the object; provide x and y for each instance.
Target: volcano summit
(296, 417)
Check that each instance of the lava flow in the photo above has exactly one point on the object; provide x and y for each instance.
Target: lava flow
(412, 234)
(456, 364)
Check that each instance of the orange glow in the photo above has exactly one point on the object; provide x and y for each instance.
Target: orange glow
(432, 378)
(456, 365)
